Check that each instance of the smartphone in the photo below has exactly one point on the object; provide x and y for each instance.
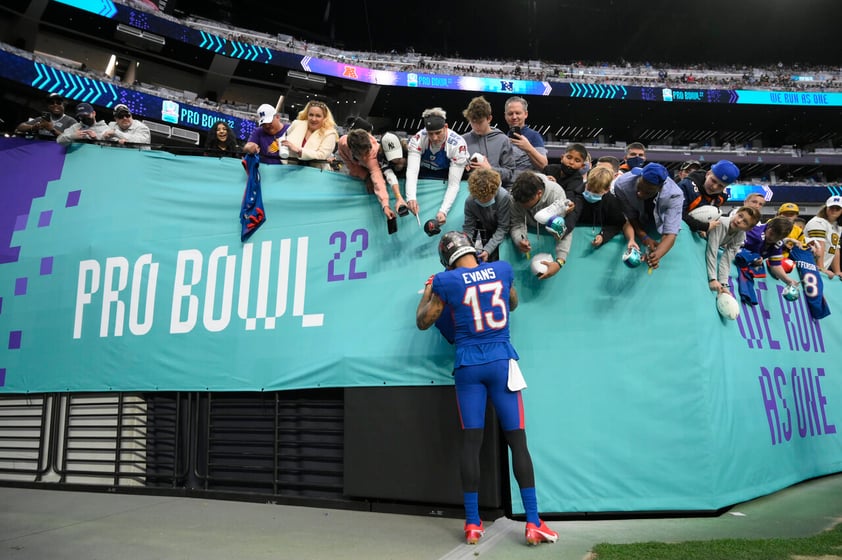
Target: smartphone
(514, 130)
(392, 225)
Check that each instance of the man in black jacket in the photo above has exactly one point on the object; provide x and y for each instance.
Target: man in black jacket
(707, 188)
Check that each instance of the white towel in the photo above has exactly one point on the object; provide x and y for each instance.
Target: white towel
(516, 381)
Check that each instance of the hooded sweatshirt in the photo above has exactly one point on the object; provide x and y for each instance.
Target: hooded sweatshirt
(497, 149)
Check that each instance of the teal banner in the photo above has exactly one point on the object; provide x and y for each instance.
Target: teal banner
(123, 271)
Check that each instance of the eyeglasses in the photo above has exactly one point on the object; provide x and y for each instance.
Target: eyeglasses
(123, 115)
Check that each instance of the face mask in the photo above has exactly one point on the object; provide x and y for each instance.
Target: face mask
(485, 204)
(591, 197)
(566, 170)
(585, 169)
(636, 161)
(87, 121)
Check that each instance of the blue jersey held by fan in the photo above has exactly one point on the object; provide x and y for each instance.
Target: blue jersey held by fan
(811, 282)
(252, 215)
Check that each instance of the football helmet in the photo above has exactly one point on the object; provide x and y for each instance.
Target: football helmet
(453, 245)
(791, 292)
(632, 258)
(431, 228)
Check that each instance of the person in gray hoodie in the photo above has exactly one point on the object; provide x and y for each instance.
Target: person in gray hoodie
(488, 211)
(492, 145)
(87, 129)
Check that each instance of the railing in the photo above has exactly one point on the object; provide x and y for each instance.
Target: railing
(283, 445)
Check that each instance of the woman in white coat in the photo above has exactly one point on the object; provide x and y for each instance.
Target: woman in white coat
(312, 137)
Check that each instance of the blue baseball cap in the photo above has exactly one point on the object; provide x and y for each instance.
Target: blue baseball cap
(84, 110)
(725, 171)
(653, 173)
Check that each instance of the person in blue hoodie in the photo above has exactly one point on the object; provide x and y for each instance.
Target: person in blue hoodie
(488, 147)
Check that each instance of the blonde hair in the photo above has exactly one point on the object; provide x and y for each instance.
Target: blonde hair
(822, 213)
(328, 122)
(434, 112)
(483, 183)
(599, 180)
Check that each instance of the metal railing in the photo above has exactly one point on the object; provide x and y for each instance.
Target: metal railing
(278, 445)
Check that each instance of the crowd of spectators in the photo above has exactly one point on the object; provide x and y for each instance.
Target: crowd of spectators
(511, 185)
(621, 72)
(604, 73)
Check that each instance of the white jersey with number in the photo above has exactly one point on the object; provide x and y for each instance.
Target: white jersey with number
(829, 234)
(448, 161)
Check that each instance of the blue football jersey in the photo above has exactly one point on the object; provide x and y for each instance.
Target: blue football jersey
(434, 165)
(478, 301)
(811, 282)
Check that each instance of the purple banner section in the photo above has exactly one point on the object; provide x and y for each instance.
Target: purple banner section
(28, 165)
(795, 403)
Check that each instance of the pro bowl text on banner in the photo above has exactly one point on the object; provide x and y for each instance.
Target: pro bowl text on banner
(150, 287)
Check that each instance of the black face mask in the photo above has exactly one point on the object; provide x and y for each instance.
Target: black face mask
(566, 170)
(87, 121)
(635, 161)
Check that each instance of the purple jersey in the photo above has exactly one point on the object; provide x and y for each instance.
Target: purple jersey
(478, 301)
(756, 243)
(269, 144)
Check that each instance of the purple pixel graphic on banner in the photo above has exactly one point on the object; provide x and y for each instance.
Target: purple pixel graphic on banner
(73, 199)
(45, 218)
(20, 286)
(28, 165)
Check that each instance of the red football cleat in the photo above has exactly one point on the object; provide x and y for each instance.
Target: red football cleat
(473, 532)
(538, 534)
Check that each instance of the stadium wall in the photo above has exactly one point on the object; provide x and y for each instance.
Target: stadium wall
(124, 271)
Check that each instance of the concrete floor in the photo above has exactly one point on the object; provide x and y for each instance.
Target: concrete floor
(57, 525)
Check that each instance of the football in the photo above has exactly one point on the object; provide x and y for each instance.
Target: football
(727, 306)
(538, 267)
(705, 213)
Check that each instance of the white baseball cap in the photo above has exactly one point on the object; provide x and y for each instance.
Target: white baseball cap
(265, 114)
(391, 146)
(834, 200)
